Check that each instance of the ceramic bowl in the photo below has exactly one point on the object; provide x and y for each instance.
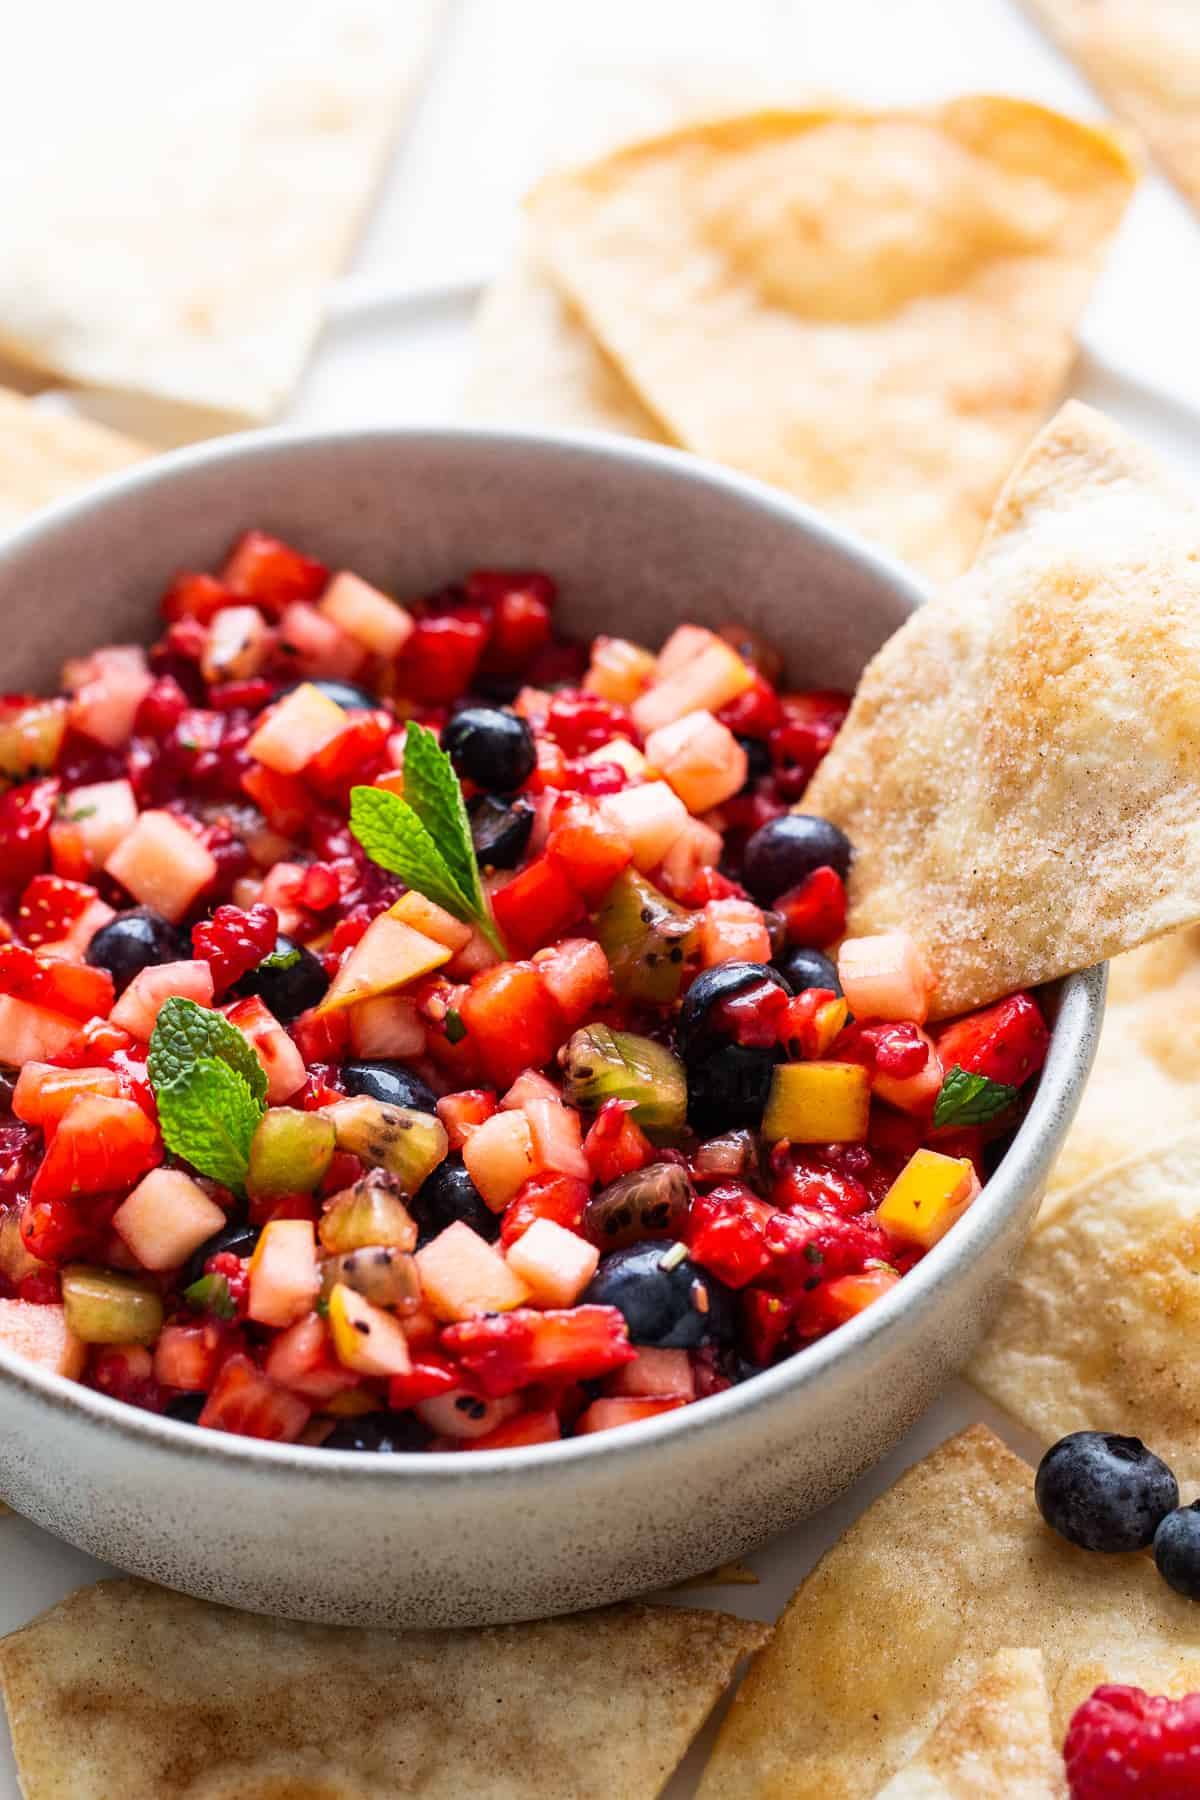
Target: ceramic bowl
(639, 538)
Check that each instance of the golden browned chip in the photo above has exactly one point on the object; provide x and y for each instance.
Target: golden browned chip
(44, 455)
(1019, 773)
(871, 310)
(730, 1574)
(1098, 1326)
(1144, 56)
(126, 1689)
(994, 1741)
(896, 1623)
(185, 252)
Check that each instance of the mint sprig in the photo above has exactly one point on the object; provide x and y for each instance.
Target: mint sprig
(967, 1099)
(210, 1089)
(424, 836)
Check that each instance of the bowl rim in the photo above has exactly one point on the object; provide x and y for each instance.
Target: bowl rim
(1024, 1166)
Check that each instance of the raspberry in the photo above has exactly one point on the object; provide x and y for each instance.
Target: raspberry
(233, 942)
(236, 1271)
(1124, 1741)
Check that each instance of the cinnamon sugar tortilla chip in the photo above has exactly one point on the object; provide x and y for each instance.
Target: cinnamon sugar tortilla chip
(994, 1741)
(1099, 1325)
(899, 1619)
(127, 1689)
(1019, 772)
(185, 250)
(1144, 57)
(871, 310)
(45, 455)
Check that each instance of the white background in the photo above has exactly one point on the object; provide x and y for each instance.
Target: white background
(398, 344)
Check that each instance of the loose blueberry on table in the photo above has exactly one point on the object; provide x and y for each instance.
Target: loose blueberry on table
(425, 1032)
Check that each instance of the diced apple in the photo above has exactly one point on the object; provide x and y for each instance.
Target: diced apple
(366, 1338)
(556, 1137)
(577, 977)
(296, 728)
(885, 977)
(75, 940)
(700, 759)
(706, 682)
(499, 1157)
(101, 813)
(530, 1084)
(41, 1335)
(313, 646)
(388, 956)
(167, 1216)
(44, 1091)
(239, 642)
(387, 1026)
(143, 1000)
(650, 816)
(30, 1033)
(433, 921)
(462, 1275)
(619, 670)
(108, 687)
(284, 1277)
(733, 931)
(162, 864)
(683, 646)
(279, 1056)
(606, 1415)
(554, 1263)
(373, 620)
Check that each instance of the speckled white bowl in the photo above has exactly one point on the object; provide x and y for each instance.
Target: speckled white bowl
(639, 538)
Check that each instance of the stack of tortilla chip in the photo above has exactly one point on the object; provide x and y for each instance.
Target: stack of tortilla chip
(871, 310)
(46, 455)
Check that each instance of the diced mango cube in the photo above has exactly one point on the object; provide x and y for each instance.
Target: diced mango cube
(619, 670)
(365, 1337)
(818, 1103)
(928, 1196)
(555, 1264)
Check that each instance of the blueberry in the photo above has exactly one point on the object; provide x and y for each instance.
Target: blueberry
(803, 968)
(233, 1240)
(185, 1407)
(133, 941)
(728, 1088)
(499, 830)
(1177, 1550)
(1104, 1492)
(447, 1195)
(758, 758)
(344, 693)
(391, 1082)
(288, 981)
(695, 1033)
(783, 851)
(490, 746)
(381, 1432)
(667, 1304)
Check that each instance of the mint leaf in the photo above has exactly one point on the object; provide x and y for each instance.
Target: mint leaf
(184, 1032)
(456, 1031)
(208, 1116)
(211, 1294)
(281, 959)
(967, 1099)
(393, 836)
(433, 791)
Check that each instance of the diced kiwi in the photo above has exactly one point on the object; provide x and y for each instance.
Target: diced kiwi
(601, 1064)
(649, 1203)
(406, 1143)
(290, 1153)
(16, 1262)
(647, 939)
(369, 1214)
(380, 1273)
(105, 1308)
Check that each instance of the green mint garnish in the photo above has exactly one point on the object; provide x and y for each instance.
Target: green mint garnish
(456, 1031)
(210, 1088)
(967, 1099)
(424, 837)
(281, 959)
(211, 1295)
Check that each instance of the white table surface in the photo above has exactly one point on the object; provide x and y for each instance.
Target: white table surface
(398, 342)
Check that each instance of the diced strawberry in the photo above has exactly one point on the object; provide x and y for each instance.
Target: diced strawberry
(811, 1022)
(102, 1144)
(849, 1295)
(733, 931)
(322, 1037)
(276, 1051)
(73, 989)
(285, 801)
(520, 629)
(126, 1372)
(245, 1401)
(510, 1350)
(766, 1320)
(606, 1415)
(810, 723)
(189, 1353)
(513, 1434)
(50, 907)
(44, 1092)
(310, 645)
(814, 912)
(271, 573)
(302, 1358)
(441, 656)
(355, 755)
(150, 989)
(1006, 1042)
(193, 596)
(512, 1022)
(561, 1198)
(616, 1145)
(588, 847)
(581, 722)
(577, 978)
(26, 815)
(463, 1113)
(755, 712)
(431, 1374)
(537, 906)
(726, 1234)
(550, 771)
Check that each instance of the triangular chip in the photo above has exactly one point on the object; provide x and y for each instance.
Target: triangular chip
(871, 310)
(995, 1741)
(1144, 57)
(1019, 773)
(126, 1689)
(185, 251)
(1099, 1325)
(44, 455)
(897, 1621)
(1147, 1065)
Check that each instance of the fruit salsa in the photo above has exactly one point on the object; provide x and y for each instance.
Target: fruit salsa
(425, 1032)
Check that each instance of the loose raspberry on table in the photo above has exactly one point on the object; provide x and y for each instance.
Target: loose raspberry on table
(233, 942)
(1124, 1741)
